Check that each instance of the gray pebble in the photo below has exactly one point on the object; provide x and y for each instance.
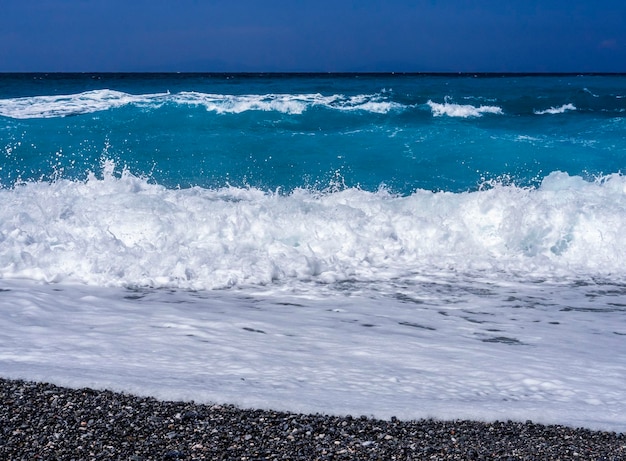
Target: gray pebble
(42, 421)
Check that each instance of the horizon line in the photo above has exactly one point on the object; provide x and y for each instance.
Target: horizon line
(318, 73)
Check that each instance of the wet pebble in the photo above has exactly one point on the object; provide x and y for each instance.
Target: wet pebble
(42, 421)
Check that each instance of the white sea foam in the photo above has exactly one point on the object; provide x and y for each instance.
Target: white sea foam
(101, 100)
(73, 104)
(286, 103)
(124, 231)
(462, 110)
(443, 347)
(556, 110)
(375, 103)
(219, 103)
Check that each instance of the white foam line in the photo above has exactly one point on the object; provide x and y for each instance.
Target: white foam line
(100, 100)
(556, 110)
(74, 104)
(462, 110)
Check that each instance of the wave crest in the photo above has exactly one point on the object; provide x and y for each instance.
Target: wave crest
(122, 230)
(462, 110)
(556, 110)
(73, 104)
(101, 100)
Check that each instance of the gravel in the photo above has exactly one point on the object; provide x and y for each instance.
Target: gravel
(43, 421)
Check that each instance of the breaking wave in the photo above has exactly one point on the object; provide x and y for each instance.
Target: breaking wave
(121, 230)
(101, 100)
(462, 110)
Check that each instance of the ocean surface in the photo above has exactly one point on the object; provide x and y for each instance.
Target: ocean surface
(448, 246)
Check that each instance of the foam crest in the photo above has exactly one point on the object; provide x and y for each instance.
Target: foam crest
(101, 100)
(286, 103)
(234, 104)
(73, 104)
(121, 230)
(375, 103)
(556, 110)
(462, 110)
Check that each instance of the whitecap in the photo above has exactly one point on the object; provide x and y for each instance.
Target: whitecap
(235, 104)
(286, 103)
(101, 100)
(72, 104)
(462, 110)
(556, 110)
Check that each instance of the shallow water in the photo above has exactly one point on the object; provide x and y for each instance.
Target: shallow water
(444, 349)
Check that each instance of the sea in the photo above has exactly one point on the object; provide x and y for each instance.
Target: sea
(447, 246)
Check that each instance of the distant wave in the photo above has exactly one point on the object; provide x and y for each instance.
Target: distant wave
(73, 104)
(286, 103)
(556, 110)
(101, 100)
(52, 106)
(462, 110)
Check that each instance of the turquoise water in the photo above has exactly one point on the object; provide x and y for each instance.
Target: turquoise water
(282, 132)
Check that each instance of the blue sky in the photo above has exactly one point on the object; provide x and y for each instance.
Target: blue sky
(320, 35)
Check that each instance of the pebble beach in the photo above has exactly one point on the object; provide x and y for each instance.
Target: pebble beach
(44, 421)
